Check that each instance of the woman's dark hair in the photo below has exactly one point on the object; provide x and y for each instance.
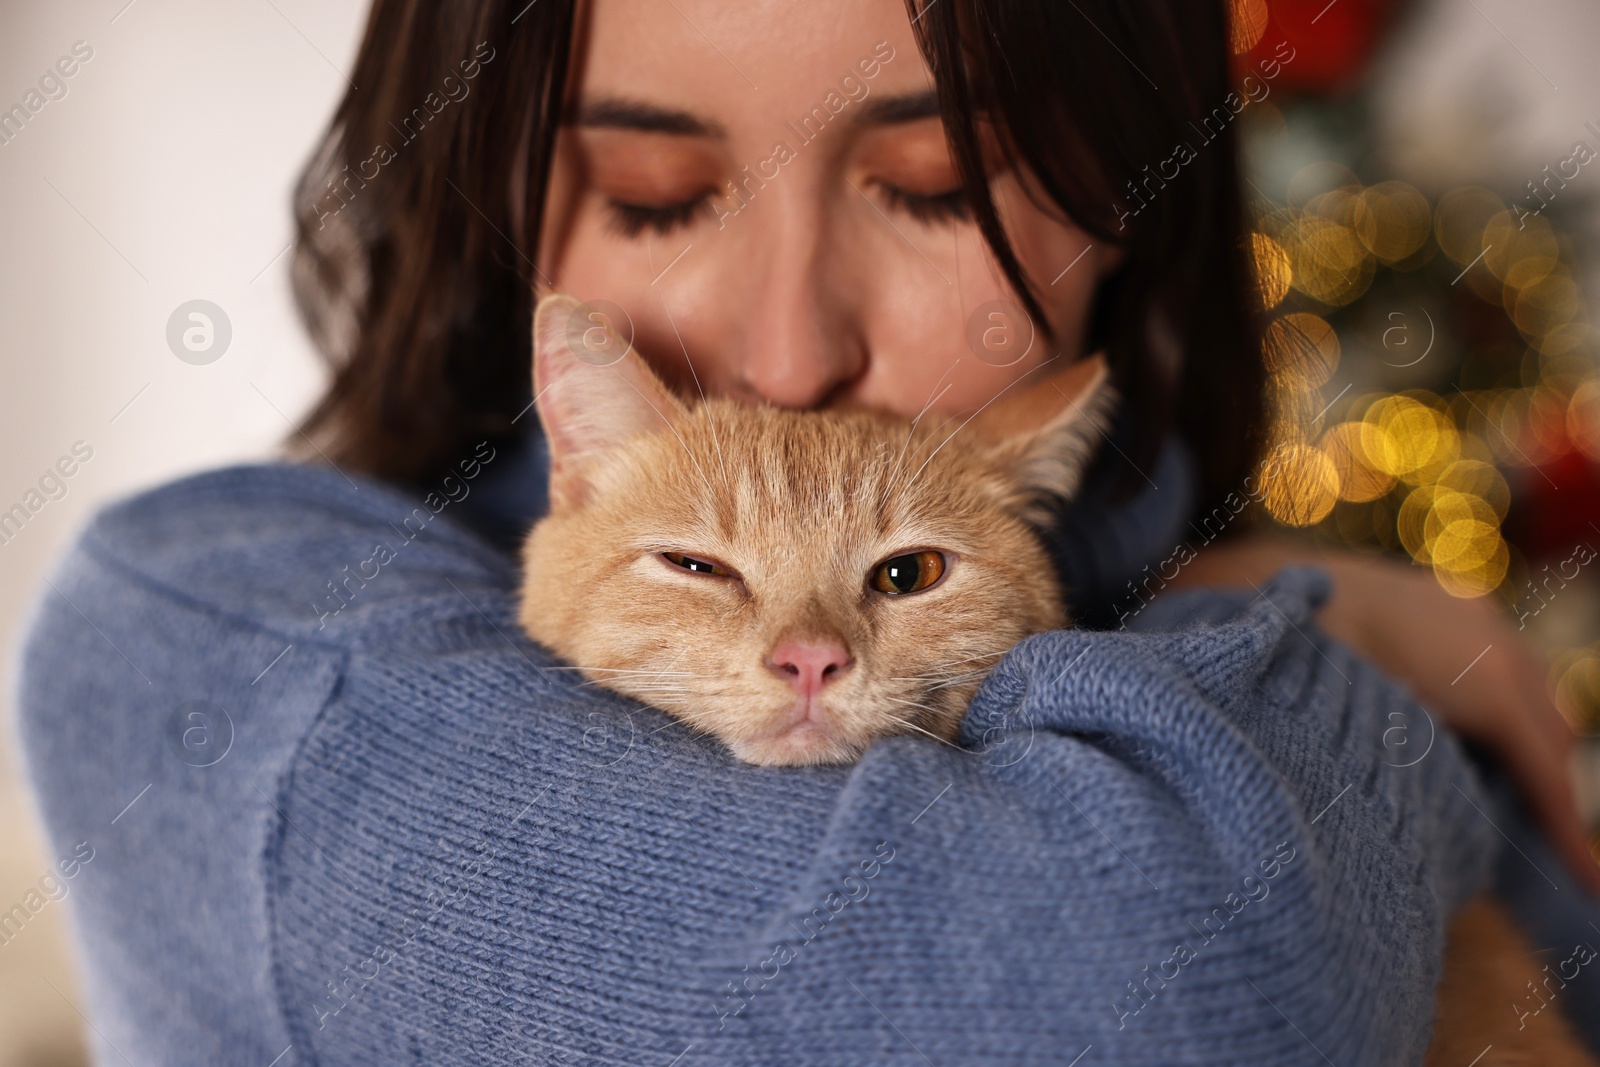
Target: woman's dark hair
(418, 288)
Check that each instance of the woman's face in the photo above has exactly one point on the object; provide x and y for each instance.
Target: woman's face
(765, 186)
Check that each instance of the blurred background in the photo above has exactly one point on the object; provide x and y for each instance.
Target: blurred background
(157, 173)
(1425, 182)
(1424, 176)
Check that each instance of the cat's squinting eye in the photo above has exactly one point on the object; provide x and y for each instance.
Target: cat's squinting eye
(697, 566)
(910, 573)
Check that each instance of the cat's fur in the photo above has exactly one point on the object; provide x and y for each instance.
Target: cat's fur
(801, 507)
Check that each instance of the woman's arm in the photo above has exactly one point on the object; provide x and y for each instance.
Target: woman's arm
(427, 845)
(1142, 828)
(1460, 657)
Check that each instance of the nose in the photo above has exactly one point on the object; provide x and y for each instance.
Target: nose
(803, 345)
(809, 665)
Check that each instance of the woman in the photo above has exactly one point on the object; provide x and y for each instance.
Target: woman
(377, 827)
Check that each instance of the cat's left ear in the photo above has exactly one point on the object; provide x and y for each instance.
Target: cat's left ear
(1046, 428)
(593, 389)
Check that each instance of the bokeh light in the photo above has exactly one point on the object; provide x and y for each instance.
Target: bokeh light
(1272, 270)
(1302, 486)
(1393, 220)
(1301, 350)
(1247, 22)
(1360, 479)
(1408, 470)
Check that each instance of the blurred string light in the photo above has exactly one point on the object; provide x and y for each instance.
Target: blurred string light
(1248, 22)
(1357, 456)
(1427, 469)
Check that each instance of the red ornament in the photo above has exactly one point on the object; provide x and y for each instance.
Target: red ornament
(1331, 41)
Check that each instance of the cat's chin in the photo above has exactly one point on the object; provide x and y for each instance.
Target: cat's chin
(801, 745)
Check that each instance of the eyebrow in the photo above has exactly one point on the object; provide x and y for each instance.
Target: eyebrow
(626, 113)
(907, 107)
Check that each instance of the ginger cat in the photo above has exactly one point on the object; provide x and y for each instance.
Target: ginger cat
(787, 544)
(742, 569)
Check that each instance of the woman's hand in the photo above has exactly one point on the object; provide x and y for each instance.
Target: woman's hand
(1460, 658)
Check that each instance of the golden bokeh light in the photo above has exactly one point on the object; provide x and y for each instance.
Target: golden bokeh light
(1417, 440)
(1456, 532)
(1478, 579)
(1302, 486)
(1565, 339)
(1519, 253)
(1583, 418)
(1336, 205)
(1393, 220)
(1360, 480)
(1481, 481)
(1415, 471)
(1272, 270)
(1578, 681)
(1301, 350)
(1248, 22)
(1455, 526)
(1526, 427)
(1547, 304)
(1330, 263)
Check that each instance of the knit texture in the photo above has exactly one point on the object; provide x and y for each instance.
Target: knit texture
(1197, 842)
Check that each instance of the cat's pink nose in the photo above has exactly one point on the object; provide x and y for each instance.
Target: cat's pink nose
(810, 665)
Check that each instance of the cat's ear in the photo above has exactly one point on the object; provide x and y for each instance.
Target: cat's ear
(593, 389)
(1045, 429)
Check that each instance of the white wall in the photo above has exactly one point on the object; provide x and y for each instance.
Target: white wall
(163, 175)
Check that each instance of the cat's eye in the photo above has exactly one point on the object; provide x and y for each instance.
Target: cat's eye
(910, 573)
(696, 566)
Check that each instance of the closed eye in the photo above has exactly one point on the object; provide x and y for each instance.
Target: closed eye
(631, 220)
(930, 209)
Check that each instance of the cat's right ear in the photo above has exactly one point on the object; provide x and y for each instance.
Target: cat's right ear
(1045, 430)
(594, 392)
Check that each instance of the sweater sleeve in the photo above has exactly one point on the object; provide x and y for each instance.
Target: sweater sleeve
(396, 833)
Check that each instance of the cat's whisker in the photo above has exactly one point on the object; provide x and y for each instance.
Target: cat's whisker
(969, 419)
(933, 398)
(914, 704)
(972, 676)
(934, 674)
(898, 468)
(993, 653)
(940, 679)
(625, 670)
(682, 443)
(672, 721)
(920, 730)
(699, 388)
(936, 671)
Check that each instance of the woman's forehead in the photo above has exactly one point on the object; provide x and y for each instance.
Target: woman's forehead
(755, 61)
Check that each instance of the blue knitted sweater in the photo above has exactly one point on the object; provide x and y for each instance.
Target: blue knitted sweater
(357, 820)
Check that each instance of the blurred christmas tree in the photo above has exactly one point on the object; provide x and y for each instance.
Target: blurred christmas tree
(1434, 370)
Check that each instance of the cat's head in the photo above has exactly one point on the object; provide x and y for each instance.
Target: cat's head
(797, 583)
